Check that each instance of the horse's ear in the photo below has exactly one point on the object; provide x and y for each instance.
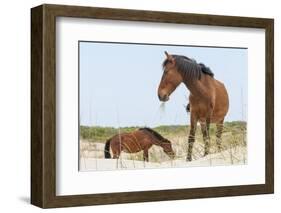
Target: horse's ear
(170, 58)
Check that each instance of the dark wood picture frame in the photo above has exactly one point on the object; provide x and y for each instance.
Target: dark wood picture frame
(43, 105)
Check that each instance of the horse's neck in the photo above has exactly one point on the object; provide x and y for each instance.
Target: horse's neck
(196, 87)
(193, 87)
(156, 142)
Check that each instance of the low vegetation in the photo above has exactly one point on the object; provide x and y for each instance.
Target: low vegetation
(233, 138)
(101, 134)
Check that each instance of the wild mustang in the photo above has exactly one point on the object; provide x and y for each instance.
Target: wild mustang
(208, 99)
(136, 141)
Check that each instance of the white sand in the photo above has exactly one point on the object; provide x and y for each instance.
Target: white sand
(234, 156)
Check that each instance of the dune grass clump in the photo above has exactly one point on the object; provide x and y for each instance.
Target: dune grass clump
(233, 138)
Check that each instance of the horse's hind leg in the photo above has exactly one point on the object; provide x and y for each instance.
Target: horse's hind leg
(218, 134)
(116, 153)
(206, 137)
(115, 156)
(145, 155)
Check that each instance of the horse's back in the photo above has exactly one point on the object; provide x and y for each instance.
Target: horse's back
(130, 142)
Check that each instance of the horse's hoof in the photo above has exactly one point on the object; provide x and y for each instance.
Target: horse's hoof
(189, 159)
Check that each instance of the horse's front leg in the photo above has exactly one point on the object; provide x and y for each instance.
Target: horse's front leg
(205, 126)
(191, 137)
(145, 155)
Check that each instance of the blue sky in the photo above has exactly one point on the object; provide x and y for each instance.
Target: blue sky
(119, 82)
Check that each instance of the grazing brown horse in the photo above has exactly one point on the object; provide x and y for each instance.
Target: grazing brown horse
(136, 141)
(208, 99)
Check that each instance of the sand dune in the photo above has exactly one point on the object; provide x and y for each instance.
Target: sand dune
(236, 155)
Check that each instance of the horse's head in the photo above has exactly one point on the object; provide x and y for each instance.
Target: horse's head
(167, 147)
(171, 78)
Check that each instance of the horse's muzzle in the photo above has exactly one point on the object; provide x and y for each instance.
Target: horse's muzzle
(172, 156)
(163, 98)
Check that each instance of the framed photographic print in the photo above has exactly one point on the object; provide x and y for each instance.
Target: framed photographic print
(136, 106)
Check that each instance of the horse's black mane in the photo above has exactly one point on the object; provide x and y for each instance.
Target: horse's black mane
(154, 133)
(189, 67)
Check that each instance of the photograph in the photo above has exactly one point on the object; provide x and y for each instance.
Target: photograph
(157, 106)
(137, 105)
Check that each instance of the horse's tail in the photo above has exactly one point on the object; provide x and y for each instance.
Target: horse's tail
(106, 149)
(187, 108)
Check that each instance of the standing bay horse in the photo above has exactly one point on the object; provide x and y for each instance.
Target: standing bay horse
(136, 141)
(208, 99)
